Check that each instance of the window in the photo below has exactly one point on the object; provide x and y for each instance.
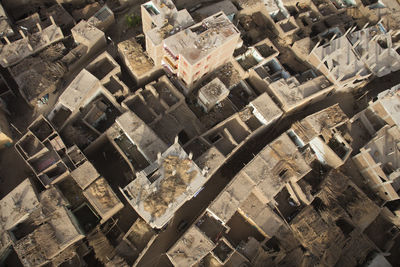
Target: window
(185, 63)
(206, 67)
(197, 73)
(198, 64)
(184, 73)
(208, 58)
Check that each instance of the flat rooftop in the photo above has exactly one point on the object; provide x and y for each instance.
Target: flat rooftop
(137, 59)
(85, 174)
(390, 100)
(48, 239)
(265, 108)
(174, 25)
(319, 123)
(86, 33)
(160, 189)
(213, 91)
(226, 6)
(199, 40)
(103, 198)
(187, 251)
(291, 92)
(16, 205)
(78, 89)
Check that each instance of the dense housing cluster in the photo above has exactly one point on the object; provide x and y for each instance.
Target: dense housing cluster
(214, 133)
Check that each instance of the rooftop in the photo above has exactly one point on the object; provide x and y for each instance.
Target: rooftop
(48, 239)
(199, 40)
(16, 51)
(327, 228)
(269, 171)
(227, 74)
(47, 231)
(291, 92)
(160, 189)
(137, 60)
(78, 89)
(320, 123)
(141, 135)
(226, 6)
(85, 174)
(181, 21)
(16, 206)
(40, 74)
(139, 234)
(160, 10)
(188, 250)
(250, 3)
(214, 91)
(103, 199)
(390, 101)
(85, 33)
(265, 109)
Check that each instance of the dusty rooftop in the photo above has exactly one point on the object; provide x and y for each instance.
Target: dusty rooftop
(159, 10)
(339, 200)
(188, 250)
(320, 123)
(103, 198)
(265, 109)
(17, 205)
(248, 3)
(138, 61)
(199, 40)
(78, 89)
(181, 21)
(213, 91)
(16, 51)
(86, 32)
(40, 74)
(269, 171)
(160, 189)
(85, 174)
